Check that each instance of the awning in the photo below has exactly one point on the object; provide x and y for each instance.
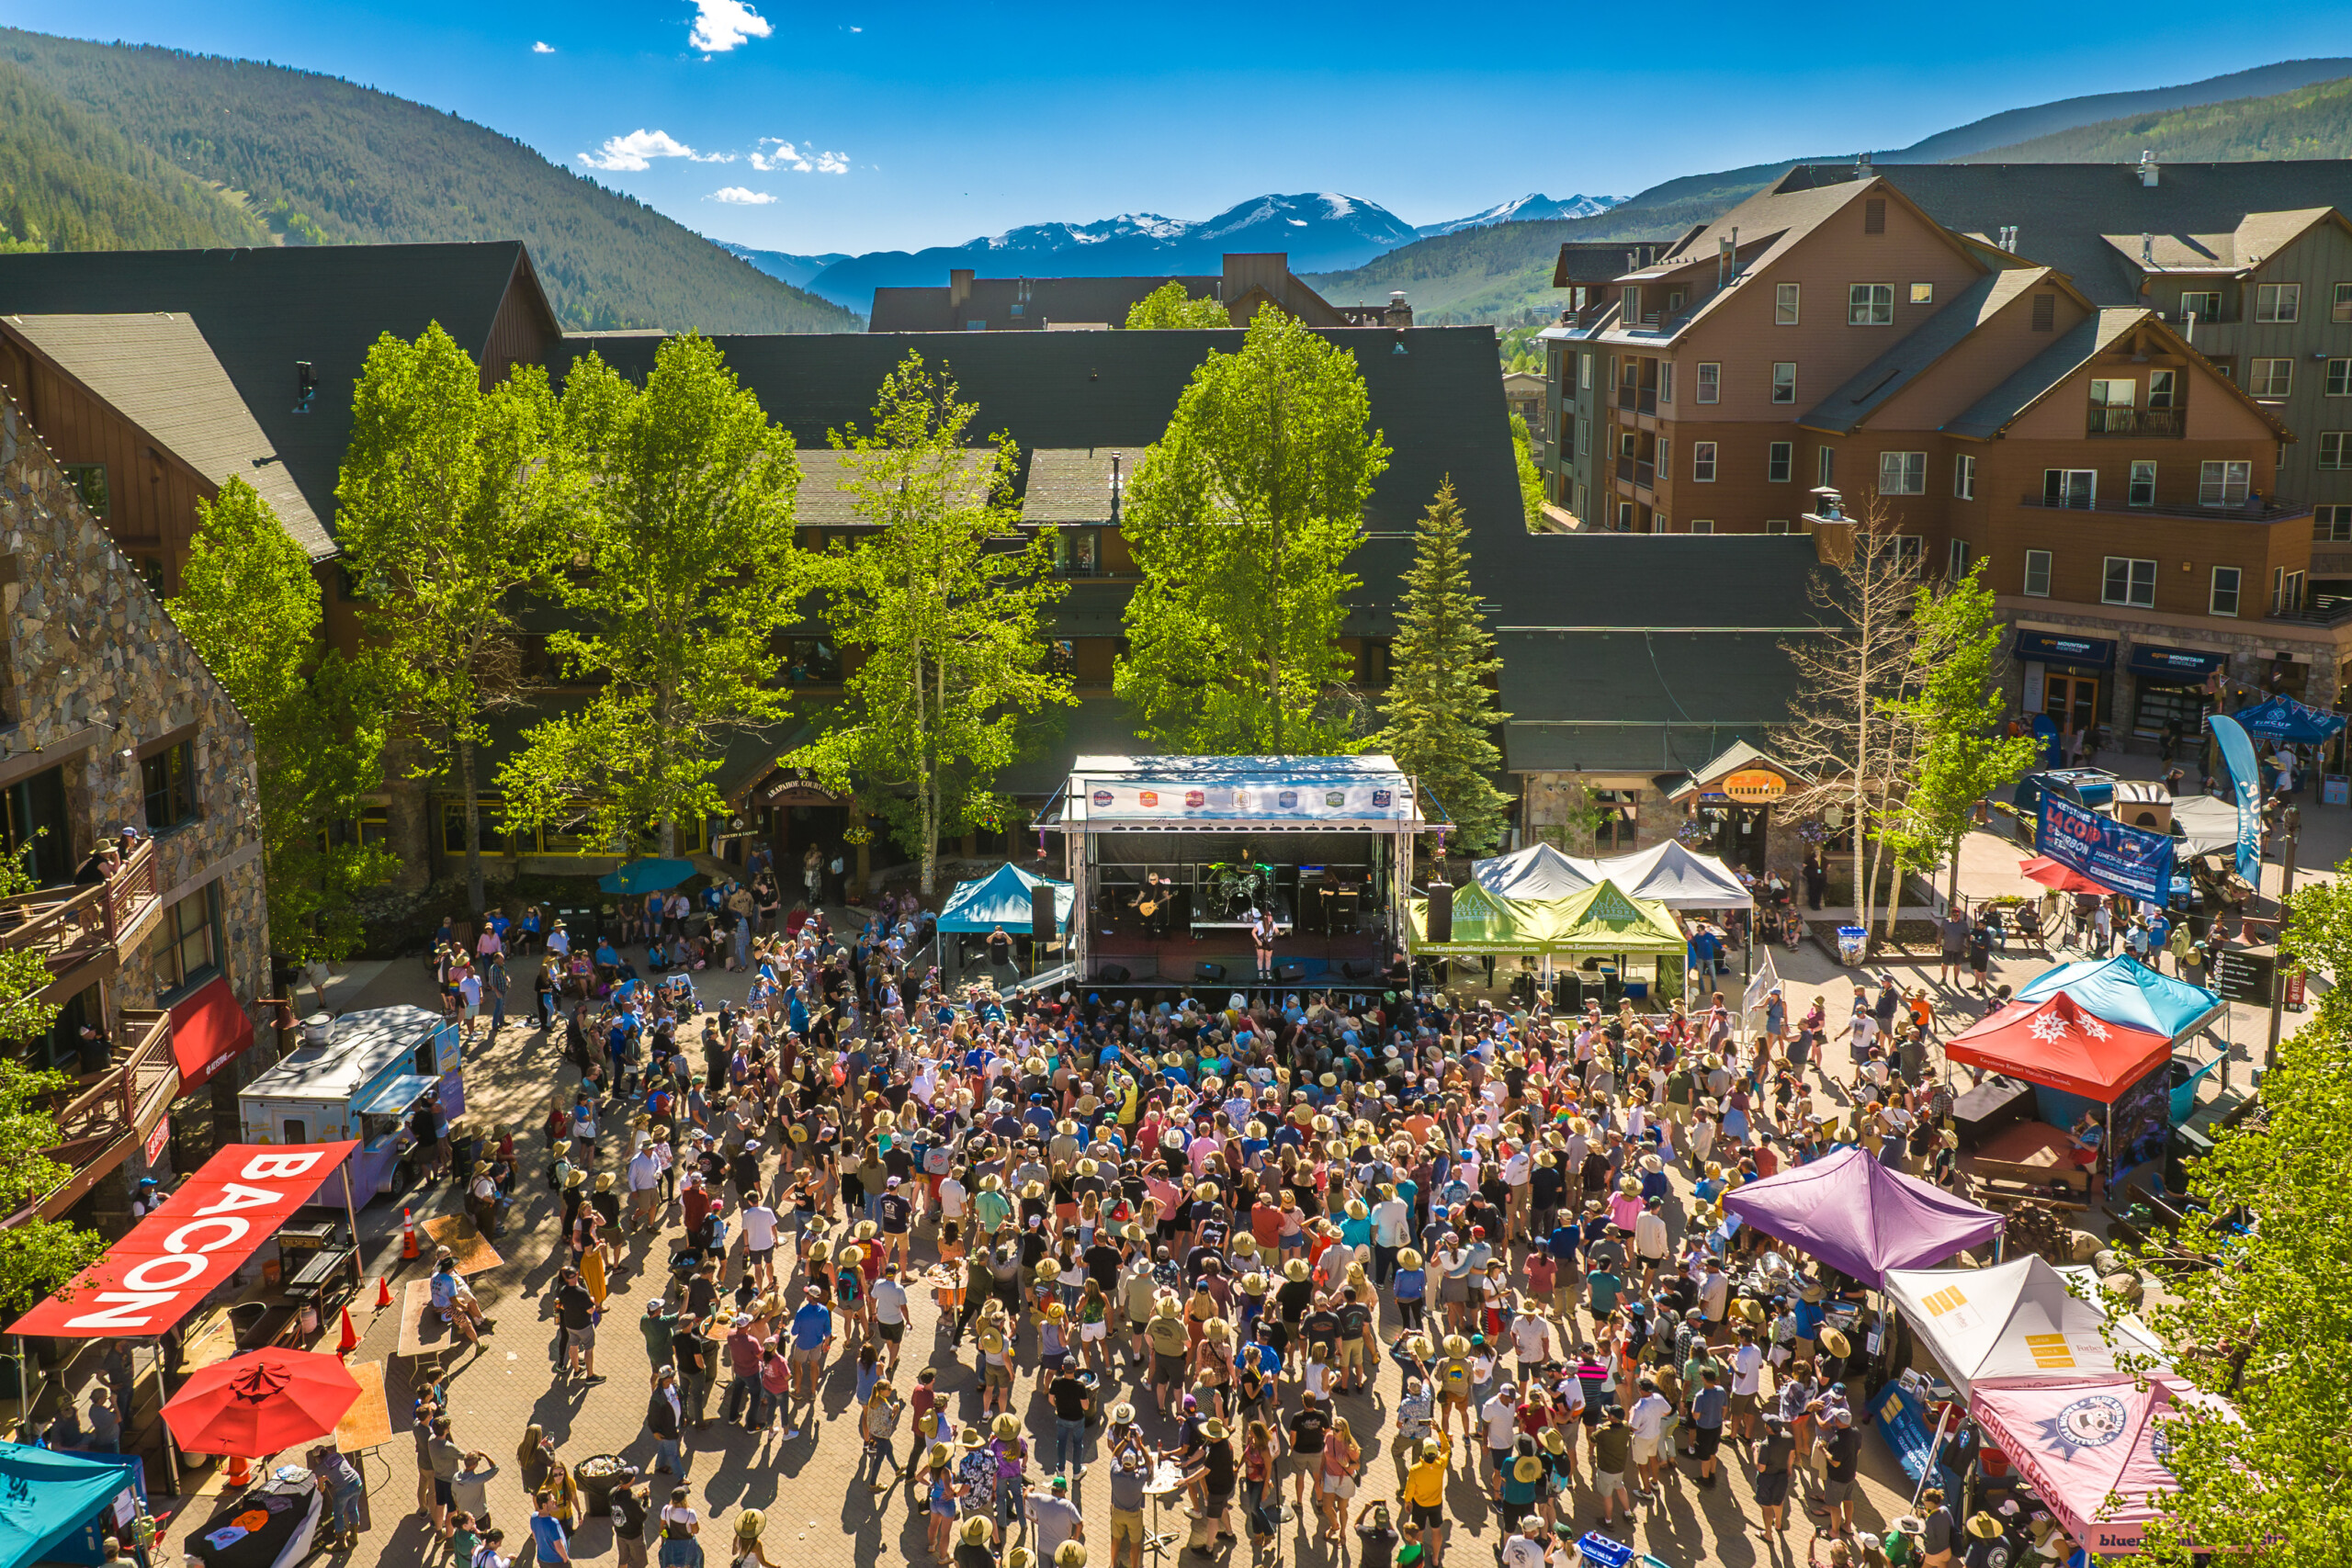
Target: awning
(51, 1497)
(396, 1097)
(193, 1242)
(2182, 664)
(2051, 648)
(208, 1029)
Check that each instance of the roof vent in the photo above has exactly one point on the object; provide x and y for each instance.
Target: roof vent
(2147, 250)
(2008, 240)
(1862, 162)
(2148, 168)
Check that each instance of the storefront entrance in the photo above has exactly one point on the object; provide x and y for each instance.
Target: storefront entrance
(1736, 834)
(2070, 699)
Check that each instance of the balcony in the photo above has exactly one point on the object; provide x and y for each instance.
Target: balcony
(85, 923)
(2111, 421)
(1639, 400)
(2250, 511)
(113, 1112)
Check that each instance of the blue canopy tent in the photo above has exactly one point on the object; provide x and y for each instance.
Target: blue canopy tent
(1002, 898)
(46, 1499)
(647, 876)
(2124, 990)
(2282, 718)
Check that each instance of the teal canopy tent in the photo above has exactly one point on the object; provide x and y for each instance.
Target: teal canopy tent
(1002, 898)
(46, 1497)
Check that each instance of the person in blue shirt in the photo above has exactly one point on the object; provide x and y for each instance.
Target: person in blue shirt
(812, 1337)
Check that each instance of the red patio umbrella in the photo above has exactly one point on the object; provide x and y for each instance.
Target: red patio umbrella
(260, 1403)
(2064, 878)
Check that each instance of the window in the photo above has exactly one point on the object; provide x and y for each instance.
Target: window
(2203, 305)
(2224, 599)
(1923, 294)
(168, 780)
(2270, 377)
(2130, 581)
(976, 326)
(1633, 297)
(2037, 574)
(1061, 657)
(1776, 524)
(1779, 459)
(1702, 525)
(2223, 484)
(2339, 378)
(1663, 458)
(1784, 304)
(2285, 591)
(2115, 394)
(2341, 310)
(1583, 369)
(1616, 816)
(1963, 477)
(1825, 466)
(2277, 302)
(1674, 300)
(2070, 487)
(1902, 473)
(2162, 386)
(2332, 525)
(1584, 434)
(1956, 561)
(2143, 489)
(1909, 549)
(2046, 312)
(183, 952)
(1666, 381)
(1625, 517)
(151, 573)
(1874, 215)
(1702, 462)
(1784, 381)
(1711, 382)
(2335, 449)
(89, 482)
(1870, 305)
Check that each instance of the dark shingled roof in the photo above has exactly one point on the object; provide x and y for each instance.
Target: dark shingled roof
(1049, 300)
(1606, 581)
(1605, 700)
(263, 309)
(1868, 390)
(2064, 211)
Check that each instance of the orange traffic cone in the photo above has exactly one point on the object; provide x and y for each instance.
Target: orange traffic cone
(383, 1292)
(408, 1236)
(240, 1472)
(350, 1340)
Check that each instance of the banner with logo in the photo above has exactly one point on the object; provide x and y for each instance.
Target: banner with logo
(1250, 800)
(2245, 786)
(190, 1245)
(2129, 860)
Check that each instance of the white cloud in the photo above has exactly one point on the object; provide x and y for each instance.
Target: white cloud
(833, 163)
(786, 156)
(543, 48)
(639, 147)
(723, 25)
(737, 196)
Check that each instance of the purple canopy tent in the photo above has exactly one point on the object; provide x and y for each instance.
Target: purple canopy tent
(1860, 1217)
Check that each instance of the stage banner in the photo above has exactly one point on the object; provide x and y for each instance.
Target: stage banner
(2128, 860)
(1207, 800)
(193, 1241)
(2245, 786)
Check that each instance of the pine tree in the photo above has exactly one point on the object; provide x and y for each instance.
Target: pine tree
(1440, 712)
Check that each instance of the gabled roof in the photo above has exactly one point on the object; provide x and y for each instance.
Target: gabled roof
(156, 370)
(821, 501)
(2257, 237)
(2074, 348)
(1070, 485)
(1732, 759)
(264, 309)
(2067, 214)
(1870, 389)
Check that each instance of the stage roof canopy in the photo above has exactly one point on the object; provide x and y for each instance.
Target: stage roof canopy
(1366, 793)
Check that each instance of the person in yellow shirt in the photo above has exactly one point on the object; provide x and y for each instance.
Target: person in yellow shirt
(1424, 1494)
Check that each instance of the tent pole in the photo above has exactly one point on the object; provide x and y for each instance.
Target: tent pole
(1934, 1450)
(351, 1212)
(171, 1448)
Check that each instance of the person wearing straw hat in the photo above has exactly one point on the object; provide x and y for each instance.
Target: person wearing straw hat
(747, 1552)
(974, 1540)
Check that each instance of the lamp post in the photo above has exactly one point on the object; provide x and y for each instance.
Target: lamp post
(2291, 821)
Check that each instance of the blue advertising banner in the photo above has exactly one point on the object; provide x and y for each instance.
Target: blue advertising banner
(2245, 786)
(2284, 719)
(2129, 860)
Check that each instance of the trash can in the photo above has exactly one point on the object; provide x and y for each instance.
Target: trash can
(1851, 940)
(597, 1475)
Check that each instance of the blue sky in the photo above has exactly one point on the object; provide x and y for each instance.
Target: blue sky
(852, 127)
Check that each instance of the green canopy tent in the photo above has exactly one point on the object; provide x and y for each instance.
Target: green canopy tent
(1601, 922)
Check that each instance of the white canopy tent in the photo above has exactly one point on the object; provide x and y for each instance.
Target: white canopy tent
(1535, 876)
(2206, 824)
(1665, 873)
(2015, 1322)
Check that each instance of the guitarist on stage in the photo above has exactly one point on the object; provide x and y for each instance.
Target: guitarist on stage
(1262, 931)
(1151, 903)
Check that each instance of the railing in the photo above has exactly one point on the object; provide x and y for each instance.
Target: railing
(2251, 511)
(1625, 469)
(1641, 399)
(1644, 476)
(71, 925)
(2106, 419)
(111, 1102)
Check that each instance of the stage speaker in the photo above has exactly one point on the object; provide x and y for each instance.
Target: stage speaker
(1439, 927)
(1111, 974)
(1359, 968)
(1208, 971)
(1041, 923)
(1289, 970)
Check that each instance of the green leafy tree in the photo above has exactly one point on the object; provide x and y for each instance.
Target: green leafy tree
(1530, 477)
(450, 502)
(688, 573)
(2269, 1327)
(1956, 700)
(250, 604)
(36, 1256)
(941, 601)
(1169, 305)
(1242, 519)
(1440, 714)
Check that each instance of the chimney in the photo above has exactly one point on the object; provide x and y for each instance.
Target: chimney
(959, 286)
(1862, 164)
(2148, 168)
(2008, 240)
(1723, 261)
(1832, 530)
(1398, 314)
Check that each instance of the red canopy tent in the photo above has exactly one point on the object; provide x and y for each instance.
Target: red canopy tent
(2064, 878)
(2058, 1043)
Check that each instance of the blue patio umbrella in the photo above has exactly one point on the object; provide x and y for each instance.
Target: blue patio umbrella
(646, 876)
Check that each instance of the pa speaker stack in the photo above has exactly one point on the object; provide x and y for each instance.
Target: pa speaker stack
(1439, 927)
(1290, 971)
(1208, 971)
(1042, 922)
(1111, 974)
(1359, 968)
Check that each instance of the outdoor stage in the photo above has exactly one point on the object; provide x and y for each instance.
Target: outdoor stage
(1174, 859)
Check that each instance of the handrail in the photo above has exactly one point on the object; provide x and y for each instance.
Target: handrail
(115, 1097)
(65, 914)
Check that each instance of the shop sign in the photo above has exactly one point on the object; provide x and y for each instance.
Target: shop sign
(1753, 787)
(152, 1149)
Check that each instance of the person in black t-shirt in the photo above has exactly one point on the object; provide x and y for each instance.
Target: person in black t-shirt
(1306, 1428)
(1375, 1535)
(629, 1524)
(1351, 1317)
(574, 1310)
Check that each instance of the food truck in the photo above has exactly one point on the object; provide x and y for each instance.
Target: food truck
(358, 1077)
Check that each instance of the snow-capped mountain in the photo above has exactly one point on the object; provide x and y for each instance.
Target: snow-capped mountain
(1320, 231)
(1525, 209)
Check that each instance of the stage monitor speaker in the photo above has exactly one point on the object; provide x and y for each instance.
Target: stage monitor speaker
(1359, 968)
(1041, 923)
(1111, 974)
(1208, 971)
(1439, 927)
(1290, 971)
